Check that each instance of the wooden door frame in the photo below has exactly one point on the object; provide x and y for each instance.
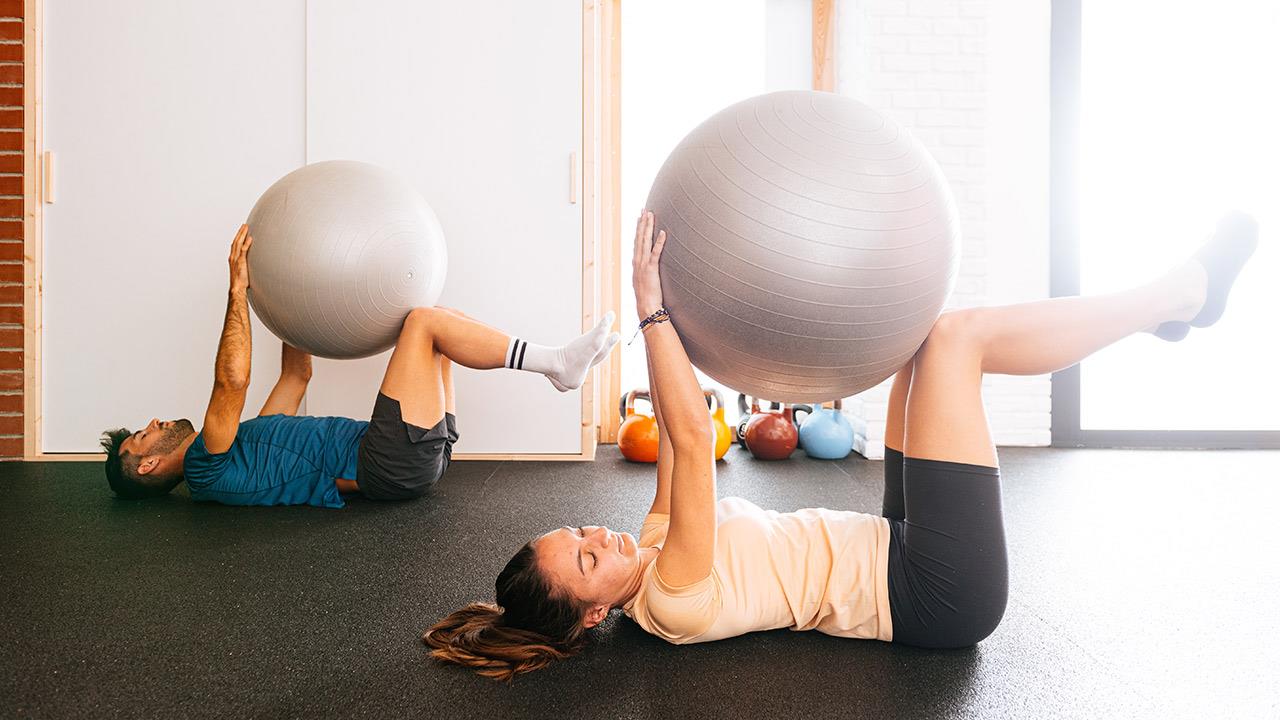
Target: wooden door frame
(608, 62)
(600, 235)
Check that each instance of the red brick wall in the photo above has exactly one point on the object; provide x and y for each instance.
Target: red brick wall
(11, 250)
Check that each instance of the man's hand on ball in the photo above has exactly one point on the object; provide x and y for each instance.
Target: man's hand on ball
(644, 266)
(239, 259)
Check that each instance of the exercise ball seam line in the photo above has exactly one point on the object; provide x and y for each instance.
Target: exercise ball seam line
(795, 299)
(815, 112)
(807, 198)
(805, 260)
(802, 392)
(798, 258)
(792, 317)
(805, 156)
(782, 122)
(808, 218)
(773, 363)
(844, 188)
(855, 228)
(884, 119)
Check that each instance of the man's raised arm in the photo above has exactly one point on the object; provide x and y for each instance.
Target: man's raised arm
(295, 373)
(235, 353)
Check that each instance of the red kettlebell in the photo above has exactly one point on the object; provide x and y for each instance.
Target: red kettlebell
(638, 435)
(772, 435)
(744, 417)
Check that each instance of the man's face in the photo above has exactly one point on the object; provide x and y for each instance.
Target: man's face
(158, 438)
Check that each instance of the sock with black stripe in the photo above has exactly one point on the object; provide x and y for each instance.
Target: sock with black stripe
(565, 366)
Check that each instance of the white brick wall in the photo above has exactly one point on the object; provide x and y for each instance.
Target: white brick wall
(926, 63)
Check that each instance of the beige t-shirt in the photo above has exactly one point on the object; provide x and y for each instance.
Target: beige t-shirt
(810, 569)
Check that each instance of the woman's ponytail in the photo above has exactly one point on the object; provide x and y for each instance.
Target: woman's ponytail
(532, 625)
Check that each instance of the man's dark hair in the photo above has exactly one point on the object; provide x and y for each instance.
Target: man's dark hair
(122, 470)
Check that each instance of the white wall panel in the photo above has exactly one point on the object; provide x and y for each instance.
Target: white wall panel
(168, 119)
(479, 106)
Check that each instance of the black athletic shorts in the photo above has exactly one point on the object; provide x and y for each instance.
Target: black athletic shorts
(399, 460)
(948, 567)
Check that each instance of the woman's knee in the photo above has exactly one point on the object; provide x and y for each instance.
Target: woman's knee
(956, 327)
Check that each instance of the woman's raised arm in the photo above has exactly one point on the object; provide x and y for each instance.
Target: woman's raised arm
(689, 550)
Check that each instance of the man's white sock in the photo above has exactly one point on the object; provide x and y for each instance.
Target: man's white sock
(565, 366)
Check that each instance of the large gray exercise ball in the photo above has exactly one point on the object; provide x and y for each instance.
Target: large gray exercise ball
(342, 251)
(811, 244)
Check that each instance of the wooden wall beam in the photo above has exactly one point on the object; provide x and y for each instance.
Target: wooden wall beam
(824, 45)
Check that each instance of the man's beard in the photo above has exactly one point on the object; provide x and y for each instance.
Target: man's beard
(173, 437)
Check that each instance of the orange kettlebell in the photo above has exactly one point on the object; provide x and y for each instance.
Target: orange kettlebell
(638, 435)
(724, 436)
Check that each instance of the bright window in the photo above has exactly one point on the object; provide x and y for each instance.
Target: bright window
(1180, 121)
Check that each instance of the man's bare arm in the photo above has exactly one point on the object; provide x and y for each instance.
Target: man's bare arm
(231, 367)
(295, 373)
(235, 349)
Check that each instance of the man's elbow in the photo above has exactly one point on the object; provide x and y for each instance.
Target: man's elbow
(233, 381)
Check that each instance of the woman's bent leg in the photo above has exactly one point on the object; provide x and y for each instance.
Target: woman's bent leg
(894, 431)
(948, 570)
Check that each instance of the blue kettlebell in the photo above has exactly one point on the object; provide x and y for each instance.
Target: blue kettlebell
(826, 434)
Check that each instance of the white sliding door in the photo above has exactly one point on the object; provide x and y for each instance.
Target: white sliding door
(167, 120)
(479, 105)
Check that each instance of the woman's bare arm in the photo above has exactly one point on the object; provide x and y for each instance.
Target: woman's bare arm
(666, 456)
(689, 550)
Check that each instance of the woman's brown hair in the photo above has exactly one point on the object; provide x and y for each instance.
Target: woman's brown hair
(532, 625)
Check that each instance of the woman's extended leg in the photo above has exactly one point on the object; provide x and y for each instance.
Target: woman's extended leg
(1049, 335)
(1024, 339)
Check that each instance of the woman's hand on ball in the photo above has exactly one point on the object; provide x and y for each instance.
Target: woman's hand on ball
(644, 266)
(239, 259)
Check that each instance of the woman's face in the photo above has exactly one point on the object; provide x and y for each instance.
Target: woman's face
(593, 563)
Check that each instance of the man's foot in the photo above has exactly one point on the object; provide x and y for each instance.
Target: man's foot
(1220, 258)
(584, 353)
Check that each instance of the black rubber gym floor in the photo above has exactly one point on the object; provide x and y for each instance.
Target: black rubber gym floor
(1143, 584)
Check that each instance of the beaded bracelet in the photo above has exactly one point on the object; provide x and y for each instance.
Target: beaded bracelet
(660, 315)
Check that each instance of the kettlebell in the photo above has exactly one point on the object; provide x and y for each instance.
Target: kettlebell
(771, 434)
(724, 436)
(638, 435)
(744, 417)
(826, 434)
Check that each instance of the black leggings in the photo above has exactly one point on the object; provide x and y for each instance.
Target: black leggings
(948, 571)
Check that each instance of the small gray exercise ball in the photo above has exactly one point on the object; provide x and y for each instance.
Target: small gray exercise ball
(811, 244)
(342, 251)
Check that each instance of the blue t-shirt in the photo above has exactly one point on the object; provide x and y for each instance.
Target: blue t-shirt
(277, 460)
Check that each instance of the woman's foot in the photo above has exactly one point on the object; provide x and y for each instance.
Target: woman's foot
(1205, 281)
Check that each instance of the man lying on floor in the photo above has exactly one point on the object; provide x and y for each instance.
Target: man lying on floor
(279, 459)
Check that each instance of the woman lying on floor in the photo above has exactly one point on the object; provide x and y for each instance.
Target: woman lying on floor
(932, 572)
